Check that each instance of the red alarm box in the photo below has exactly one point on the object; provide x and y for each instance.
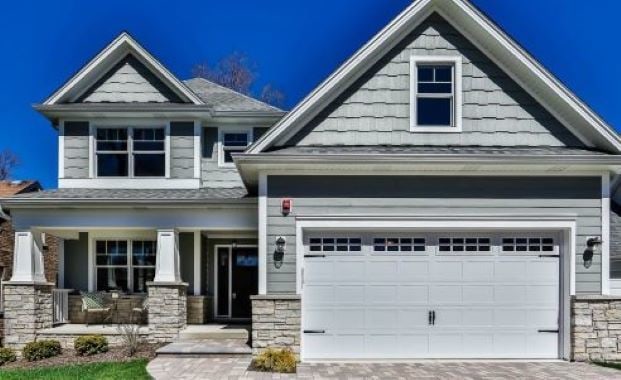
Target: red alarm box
(285, 206)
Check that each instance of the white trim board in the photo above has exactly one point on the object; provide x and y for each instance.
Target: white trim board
(605, 247)
(515, 61)
(262, 234)
(519, 222)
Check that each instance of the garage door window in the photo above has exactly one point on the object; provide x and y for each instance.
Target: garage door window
(464, 244)
(392, 244)
(335, 244)
(527, 244)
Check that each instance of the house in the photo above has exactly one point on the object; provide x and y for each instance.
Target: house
(440, 195)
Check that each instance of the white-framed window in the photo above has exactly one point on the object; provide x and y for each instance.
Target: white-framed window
(133, 152)
(464, 244)
(124, 265)
(232, 141)
(396, 244)
(435, 94)
(335, 244)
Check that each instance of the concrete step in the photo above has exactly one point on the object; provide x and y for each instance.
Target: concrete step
(209, 332)
(202, 348)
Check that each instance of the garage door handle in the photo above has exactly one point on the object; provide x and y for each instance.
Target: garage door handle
(314, 255)
(314, 331)
(548, 331)
(549, 255)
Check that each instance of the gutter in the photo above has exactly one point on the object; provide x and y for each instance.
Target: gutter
(129, 203)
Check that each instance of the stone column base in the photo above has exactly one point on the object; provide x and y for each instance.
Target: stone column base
(276, 322)
(167, 310)
(595, 328)
(27, 309)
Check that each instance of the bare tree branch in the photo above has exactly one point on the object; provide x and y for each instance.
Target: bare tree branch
(8, 161)
(272, 95)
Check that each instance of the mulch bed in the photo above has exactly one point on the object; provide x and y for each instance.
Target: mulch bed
(68, 356)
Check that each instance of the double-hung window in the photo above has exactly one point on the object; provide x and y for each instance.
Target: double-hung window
(232, 142)
(435, 94)
(125, 265)
(130, 152)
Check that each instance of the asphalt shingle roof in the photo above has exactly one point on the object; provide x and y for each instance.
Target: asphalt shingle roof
(438, 150)
(220, 98)
(204, 194)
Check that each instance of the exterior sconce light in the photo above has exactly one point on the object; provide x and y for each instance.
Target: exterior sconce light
(593, 246)
(279, 252)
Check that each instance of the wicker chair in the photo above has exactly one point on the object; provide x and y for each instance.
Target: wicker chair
(141, 309)
(95, 303)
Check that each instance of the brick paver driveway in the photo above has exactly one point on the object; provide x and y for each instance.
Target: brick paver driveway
(237, 368)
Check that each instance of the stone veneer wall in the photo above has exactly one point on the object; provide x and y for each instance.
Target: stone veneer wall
(596, 328)
(27, 309)
(199, 309)
(276, 322)
(167, 310)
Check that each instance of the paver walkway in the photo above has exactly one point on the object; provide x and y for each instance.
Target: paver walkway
(238, 368)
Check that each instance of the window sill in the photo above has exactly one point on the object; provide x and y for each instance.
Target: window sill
(435, 129)
(129, 183)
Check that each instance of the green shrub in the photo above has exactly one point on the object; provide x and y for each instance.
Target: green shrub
(41, 349)
(7, 355)
(276, 360)
(90, 345)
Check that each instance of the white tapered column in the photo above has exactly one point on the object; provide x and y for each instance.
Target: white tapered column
(167, 258)
(28, 258)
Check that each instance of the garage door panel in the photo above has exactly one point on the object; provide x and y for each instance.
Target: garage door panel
(376, 304)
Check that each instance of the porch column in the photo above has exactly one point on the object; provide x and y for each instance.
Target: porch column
(27, 295)
(167, 293)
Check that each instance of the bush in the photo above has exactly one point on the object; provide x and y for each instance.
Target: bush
(7, 355)
(90, 345)
(130, 336)
(41, 349)
(276, 360)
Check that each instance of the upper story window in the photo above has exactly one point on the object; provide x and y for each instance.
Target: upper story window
(130, 152)
(435, 94)
(232, 142)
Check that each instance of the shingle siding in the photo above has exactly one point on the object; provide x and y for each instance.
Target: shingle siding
(76, 151)
(376, 109)
(441, 196)
(182, 149)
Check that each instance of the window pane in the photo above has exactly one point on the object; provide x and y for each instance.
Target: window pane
(235, 139)
(434, 111)
(112, 165)
(444, 73)
(112, 146)
(435, 88)
(143, 253)
(148, 145)
(141, 277)
(149, 165)
(112, 279)
(425, 73)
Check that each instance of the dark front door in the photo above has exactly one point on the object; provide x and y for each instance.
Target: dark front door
(245, 276)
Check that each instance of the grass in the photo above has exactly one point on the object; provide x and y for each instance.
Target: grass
(134, 370)
(615, 365)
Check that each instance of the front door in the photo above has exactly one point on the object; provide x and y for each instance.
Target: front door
(237, 279)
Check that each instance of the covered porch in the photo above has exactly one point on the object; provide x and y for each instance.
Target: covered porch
(201, 269)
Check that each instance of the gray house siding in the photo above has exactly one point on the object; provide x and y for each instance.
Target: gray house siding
(76, 260)
(212, 175)
(182, 149)
(615, 240)
(129, 81)
(75, 153)
(375, 110)
(443, 196)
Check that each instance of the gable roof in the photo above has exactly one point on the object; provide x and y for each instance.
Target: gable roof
(222, 99)
(10, 188)
(111, 55)
(487, 37)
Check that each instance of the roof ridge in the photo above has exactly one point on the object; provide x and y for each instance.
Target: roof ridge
(235, 92)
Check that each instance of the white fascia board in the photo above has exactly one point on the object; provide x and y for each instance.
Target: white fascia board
(129, 183)
(458, 11)
(124, 41)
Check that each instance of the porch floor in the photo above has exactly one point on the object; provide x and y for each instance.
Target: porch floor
(215, 331)
(82, 329)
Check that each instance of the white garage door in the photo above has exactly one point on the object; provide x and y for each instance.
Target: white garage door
(431, 295)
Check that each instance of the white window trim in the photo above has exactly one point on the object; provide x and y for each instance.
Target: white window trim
(457, 95)
(221, 133)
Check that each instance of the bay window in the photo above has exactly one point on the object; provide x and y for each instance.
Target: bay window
(130, 152)
(124, 265)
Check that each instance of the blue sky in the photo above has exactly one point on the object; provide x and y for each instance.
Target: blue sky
(294, 44)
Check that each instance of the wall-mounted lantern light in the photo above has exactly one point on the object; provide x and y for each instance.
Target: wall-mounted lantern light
(594, 245)
(279, 252)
